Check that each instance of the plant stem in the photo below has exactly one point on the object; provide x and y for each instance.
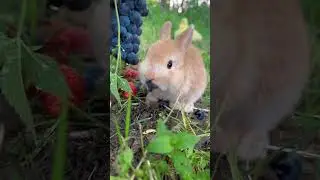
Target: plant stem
(128, 117)
(22, 18)
(119, 43)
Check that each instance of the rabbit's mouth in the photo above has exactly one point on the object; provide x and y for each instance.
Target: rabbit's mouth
(151, 86)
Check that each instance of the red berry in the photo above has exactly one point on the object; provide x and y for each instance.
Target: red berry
(75, 83)
(130, 74)
(51, 104)
(76, 86)
(133, 89)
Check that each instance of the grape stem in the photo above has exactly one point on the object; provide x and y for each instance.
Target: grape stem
(119, 44)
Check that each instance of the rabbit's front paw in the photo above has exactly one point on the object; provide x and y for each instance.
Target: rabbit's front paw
(151, 100)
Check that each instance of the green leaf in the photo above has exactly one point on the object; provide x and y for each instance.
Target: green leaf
(161, 145)
(117, 178)
(12, 84)
(123, 84)
(45, 73)
(161, 166)
(162, 129)
(52, 80)
(185, 140)
(125, 160)
(114, 86)
(182, 164)
(203, 175)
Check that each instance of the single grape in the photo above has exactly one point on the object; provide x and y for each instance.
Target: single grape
(114, 41)
(145, 12)
(132, 58)
(135, 48)
(133, 29)
(136, 39)
(123, 30)
(134, 16)
(130, 4)
(128, 47)
(127, 37)
(124, 9)
(139, 32)
(124, 21)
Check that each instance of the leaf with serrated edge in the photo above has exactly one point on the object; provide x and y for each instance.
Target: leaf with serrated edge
(185, 140)
(161, 145)
(45, 73)
(123, 84)
(114, 87)
(52, 80)
(162, 129)
(12, 85)
(182, 164)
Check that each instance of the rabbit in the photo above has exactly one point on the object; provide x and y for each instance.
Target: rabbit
(260, 67)
(173, 69)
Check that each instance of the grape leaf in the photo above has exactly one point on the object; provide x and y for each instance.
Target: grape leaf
(161, 145)
(123, 84)
(114, 87)
(12, 84)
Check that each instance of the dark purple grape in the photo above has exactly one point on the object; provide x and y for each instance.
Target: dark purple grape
(123, 30)
(145, 12)
(134, 16)
(132, 58)
(133, 29)
(136, 39)
(124, 9)
(135, 48)
(114, 41)
(130, 3)
(124, 21)
(127, 37)
(128, 47)
(139, 32)
(123, 55)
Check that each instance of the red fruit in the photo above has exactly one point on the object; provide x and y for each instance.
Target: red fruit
(75, 83)
(76, 86)
(130, 74)
(133, 89)
(69, 40)
(51, 104)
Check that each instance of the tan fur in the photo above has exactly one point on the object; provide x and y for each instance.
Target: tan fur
(187, 76)
(261, 65)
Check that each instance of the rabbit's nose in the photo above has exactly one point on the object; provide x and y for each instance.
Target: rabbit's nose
(150, 85)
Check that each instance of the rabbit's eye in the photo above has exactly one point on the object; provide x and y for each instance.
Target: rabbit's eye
(169, 65)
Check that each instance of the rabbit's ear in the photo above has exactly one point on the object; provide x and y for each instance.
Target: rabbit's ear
(185, 39)
(165, 32)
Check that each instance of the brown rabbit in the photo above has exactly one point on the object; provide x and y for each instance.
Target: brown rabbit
(261, 65)
(172, 69)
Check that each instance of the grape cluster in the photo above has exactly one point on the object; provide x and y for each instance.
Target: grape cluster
(130, 16)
